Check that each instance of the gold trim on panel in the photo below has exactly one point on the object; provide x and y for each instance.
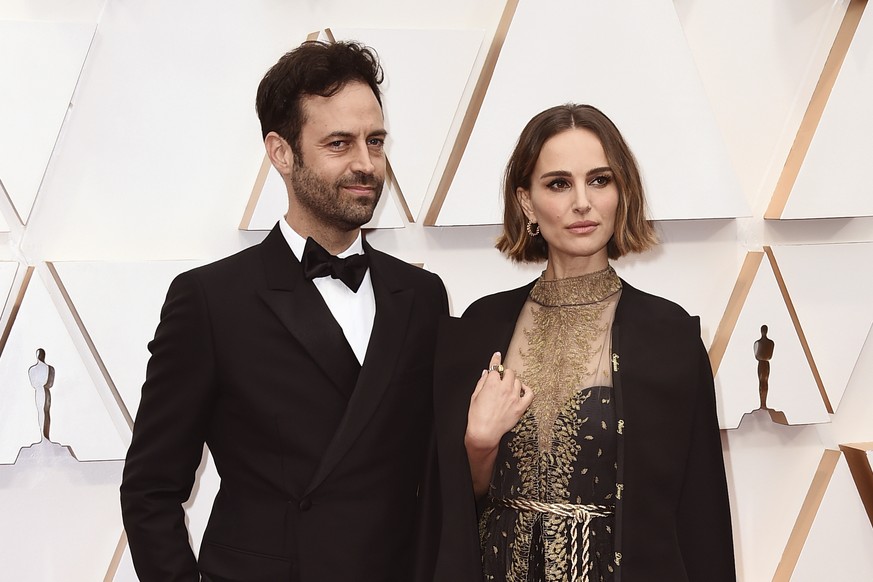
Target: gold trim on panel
(735, 305)
(814, 110)
(116, 558)
(91, 347)
(7, 201)
(256, 193)
(403, 204)
(472, 113)
(859, 466)
(806, 517)
(798, 329)
(16, 306)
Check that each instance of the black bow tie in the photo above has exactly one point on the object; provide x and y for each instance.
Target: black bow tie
(317, 262)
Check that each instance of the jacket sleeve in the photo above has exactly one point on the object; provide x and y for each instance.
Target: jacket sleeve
(704, 521)
(168, 437)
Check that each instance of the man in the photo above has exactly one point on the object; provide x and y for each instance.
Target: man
(311, 387)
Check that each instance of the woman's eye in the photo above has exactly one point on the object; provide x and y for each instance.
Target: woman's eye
(600, 181)
(559, 184)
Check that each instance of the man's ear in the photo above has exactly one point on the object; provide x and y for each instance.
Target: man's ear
(280, 153)
(524, 199)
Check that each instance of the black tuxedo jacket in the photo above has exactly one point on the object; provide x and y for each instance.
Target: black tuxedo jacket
(320, 458)
(672, 517)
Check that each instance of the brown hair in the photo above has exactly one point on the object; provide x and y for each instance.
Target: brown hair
(634, 233)
(313, 68)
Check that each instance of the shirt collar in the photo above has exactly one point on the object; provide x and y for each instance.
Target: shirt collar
(297, 242)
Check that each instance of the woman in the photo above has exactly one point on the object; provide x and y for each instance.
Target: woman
(591, 450)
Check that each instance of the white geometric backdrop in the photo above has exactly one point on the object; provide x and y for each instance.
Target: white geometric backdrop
(131, 151)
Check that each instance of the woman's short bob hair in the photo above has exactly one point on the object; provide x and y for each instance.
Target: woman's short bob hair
(634, 233)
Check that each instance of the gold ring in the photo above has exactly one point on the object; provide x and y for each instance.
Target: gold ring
(498, 368)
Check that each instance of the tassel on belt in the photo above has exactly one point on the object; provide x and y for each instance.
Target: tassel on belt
(578, 514)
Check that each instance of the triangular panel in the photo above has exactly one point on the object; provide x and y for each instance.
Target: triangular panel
(833, 180)
(8, 270)
(645, 81)
(63, 517)
(769, 467)
(125, 571)
(834, 310)
(792, 386)
(426, 72)
(79, 417)
(40, 64)
(838, 533)
(119, 306)
(4, 226)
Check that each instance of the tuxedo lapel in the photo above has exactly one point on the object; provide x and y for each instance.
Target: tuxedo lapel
(393, 309)
(301, 309)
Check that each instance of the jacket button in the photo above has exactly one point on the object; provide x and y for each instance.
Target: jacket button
(305, 505)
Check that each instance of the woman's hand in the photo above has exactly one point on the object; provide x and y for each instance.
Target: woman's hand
(497, 403)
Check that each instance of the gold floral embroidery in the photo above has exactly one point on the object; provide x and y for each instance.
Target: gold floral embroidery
(563, 448)
(565, 340)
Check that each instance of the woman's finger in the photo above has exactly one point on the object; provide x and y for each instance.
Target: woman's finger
(480, 384)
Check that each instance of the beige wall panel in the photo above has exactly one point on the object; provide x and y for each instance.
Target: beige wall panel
(40, 64)
(426, 72)
(8, 270)
(770, 467)
(841, 537)
(700, 260)
(119, 305)
(163, 143)
(831, 292)
(61, 518)
(684, 161)
(833, 180)
(52, 10)
(79, 416)
(759, 61)
(792, 386)
(854, 419)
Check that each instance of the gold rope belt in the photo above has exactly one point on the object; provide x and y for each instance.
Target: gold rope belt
(578, 514)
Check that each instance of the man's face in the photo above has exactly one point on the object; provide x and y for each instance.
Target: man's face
(341, 147)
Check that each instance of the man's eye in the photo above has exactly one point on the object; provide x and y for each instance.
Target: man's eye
(337, 144)
(377, 142)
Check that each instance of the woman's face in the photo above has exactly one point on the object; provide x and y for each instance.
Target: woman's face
(573, 197)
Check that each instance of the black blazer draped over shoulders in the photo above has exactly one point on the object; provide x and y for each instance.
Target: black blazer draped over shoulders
(673, 516)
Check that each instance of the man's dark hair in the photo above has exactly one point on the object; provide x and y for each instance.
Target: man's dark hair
(314, 68)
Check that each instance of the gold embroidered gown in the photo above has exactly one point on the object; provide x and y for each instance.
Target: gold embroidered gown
(549, 515)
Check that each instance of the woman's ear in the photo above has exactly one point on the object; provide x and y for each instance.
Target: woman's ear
(526, 206)
(279, 152)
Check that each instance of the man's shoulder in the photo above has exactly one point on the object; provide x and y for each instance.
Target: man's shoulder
(408, 273)
(241, 267)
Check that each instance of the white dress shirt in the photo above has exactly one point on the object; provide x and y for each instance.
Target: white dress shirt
(353, 311)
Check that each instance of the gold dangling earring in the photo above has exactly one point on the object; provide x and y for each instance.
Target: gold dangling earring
(530, 228)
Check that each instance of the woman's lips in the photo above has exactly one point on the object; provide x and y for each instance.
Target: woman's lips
(582, 227)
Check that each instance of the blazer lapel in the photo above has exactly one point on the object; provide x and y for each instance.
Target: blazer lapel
(393, 309)
(301, 309)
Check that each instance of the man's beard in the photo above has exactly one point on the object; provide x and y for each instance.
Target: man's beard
(327, 202)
